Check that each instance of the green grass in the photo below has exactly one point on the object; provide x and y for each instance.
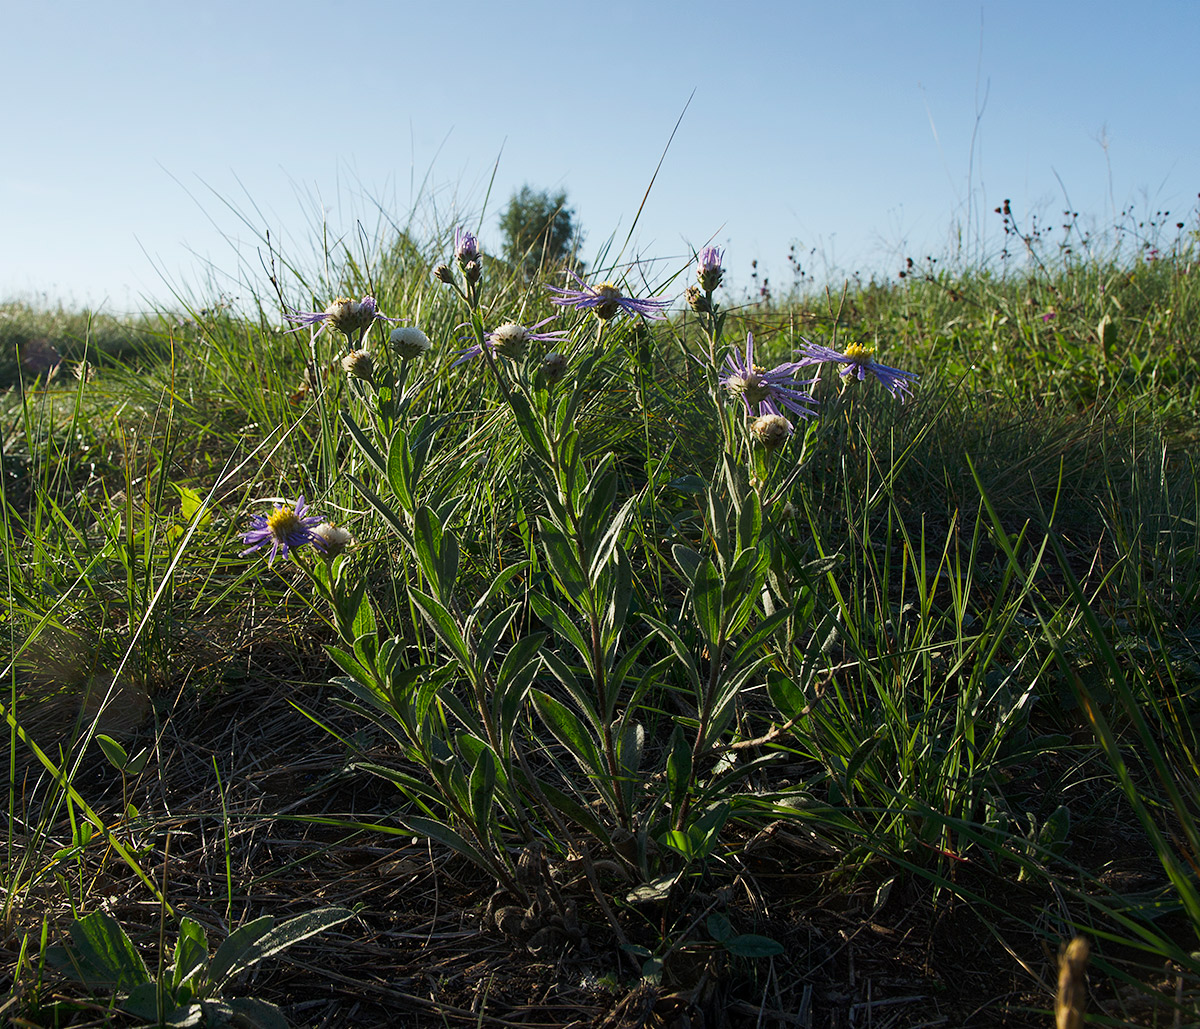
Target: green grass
(968, 696)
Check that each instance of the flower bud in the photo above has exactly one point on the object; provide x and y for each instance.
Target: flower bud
(696, 300)
(443, 273)
(771, 430)
(554, 366)
(709, 270)
(359, 364)
(473, 270)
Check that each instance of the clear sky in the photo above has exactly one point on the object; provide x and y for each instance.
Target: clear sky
(866, 130)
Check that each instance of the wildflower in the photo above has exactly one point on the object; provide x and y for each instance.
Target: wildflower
(345, 315)
(443, 274)
(360, 364)
(408, 342)
(554, 366)
(858, 360)
(512, 340)
(764, 392)
(285, 529)
(709, 270)
(466, 247)
(1048, 316)
(334, 538)
(696, 300)
(605, 299)
(771, 430)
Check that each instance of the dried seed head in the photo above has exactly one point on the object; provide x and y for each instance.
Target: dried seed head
(771, 430)
(335, 538)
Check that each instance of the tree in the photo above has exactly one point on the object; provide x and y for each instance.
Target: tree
(540, 230)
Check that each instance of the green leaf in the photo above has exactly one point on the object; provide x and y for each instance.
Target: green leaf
(441, 621)
(236, 947)
(448, 837)
(100, 955)
(571, 733)
(706, 604)
(689, 484)
(116, 754)
(749, 945)
(400, 470)
(369, 450)
(191, 952)
(253, 1012)
(291, 932)
(719, 927)
(483, 786)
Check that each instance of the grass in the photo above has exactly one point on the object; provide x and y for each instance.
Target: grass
(609, 712)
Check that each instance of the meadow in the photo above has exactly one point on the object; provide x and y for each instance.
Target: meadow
(423, 641)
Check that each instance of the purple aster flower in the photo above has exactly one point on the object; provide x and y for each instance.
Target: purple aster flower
(512, 340)
(345, 315)
(605, 299)
(466, 246)
(764, 392)
(284, 529)
(709, 270)
(858, 360)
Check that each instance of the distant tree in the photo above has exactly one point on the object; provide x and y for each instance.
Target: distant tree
(540, 230)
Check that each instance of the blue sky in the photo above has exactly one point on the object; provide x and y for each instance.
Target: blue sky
(865, 131)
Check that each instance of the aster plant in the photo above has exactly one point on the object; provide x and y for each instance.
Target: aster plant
(605, 299)
(285, 529)
(511, 340)
(858, 360)
(350, 317)
(764, 392)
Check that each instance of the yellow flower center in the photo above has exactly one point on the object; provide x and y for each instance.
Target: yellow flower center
(859, 354)
(283, 523)
(609, 295)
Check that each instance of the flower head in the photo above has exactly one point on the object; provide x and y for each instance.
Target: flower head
(771, 430)
(709, 270)
(554, 366)
(764, 392)
(696, 300)
(605, 299)
(408, 342)
(284, 529)
(859, 360)
(334, 539)
(466, 247)
(345, 315)
(360, 364)
(512, 340)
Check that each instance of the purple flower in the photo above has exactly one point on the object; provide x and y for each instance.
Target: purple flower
(466, 247)
(345, 315)
(284, 529)
(708, 269)
(764, 392)
(858, 360)
(605, 299)
(511, 340)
